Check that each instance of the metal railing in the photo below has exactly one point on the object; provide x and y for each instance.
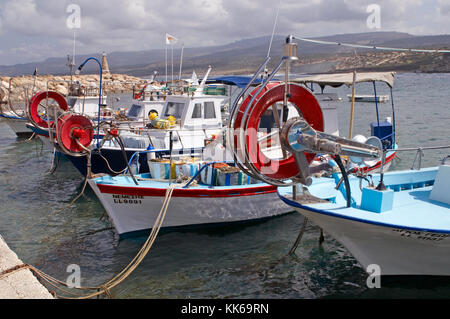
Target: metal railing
(419, 153)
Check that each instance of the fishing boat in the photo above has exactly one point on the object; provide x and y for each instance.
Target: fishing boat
(17, 123)
(404, 230)
(182, 126)
(396, 221)
(198, 112)
(133, 207)
(197, 192)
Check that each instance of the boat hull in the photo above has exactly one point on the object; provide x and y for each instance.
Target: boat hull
(135, 211)
(18, 125)
(396, 251)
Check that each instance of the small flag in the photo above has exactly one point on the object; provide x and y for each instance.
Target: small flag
(170, 39)
(35, 72)
(194, 79)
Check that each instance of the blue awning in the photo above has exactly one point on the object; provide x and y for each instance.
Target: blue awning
(239, 81)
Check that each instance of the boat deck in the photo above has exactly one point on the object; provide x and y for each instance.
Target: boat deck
(412, 208)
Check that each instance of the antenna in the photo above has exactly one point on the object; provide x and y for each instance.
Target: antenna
(74, 41)
(273, 30)
(70, 64)
(181, 61)
(206, 77)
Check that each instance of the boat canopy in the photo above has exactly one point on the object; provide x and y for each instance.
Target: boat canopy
(339, 79)
(239, 81)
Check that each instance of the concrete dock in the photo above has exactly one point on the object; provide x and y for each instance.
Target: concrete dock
(21, 284)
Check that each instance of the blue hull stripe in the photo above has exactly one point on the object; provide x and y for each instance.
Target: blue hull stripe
(324, 212)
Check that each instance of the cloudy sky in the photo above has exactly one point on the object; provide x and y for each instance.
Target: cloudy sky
(33, 30)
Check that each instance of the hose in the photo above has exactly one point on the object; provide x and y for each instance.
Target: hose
(124, 154)
(346, 182)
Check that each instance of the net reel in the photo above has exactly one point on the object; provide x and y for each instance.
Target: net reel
(54, 105)
(301, 137)
(245, 121)
(73, 133)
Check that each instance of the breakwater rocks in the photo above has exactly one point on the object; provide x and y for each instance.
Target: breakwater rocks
(23, 86)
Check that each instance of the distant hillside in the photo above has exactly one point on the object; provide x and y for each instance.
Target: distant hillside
(245, 55)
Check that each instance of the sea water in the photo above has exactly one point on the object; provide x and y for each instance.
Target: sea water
(236, 261)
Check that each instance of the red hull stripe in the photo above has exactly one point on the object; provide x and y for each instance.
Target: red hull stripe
(387, 160)
(186, 192)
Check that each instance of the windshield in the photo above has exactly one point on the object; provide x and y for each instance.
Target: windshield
(174, 109)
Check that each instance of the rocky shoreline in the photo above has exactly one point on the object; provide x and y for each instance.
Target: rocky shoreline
(23, 86)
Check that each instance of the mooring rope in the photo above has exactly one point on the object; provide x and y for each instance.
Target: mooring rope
(299, 237)
(116, 280)
(374, 47)
(274, 27)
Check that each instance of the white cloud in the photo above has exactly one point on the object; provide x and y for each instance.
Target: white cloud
(444, 7)
(124, 25)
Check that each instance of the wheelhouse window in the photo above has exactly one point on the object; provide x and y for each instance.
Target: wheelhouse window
(71, 101)
(174, 109)
(210, 111)
(268, 121)
(197, 112)
(134, 111)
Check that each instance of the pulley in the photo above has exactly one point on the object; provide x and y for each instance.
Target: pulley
(299, 138)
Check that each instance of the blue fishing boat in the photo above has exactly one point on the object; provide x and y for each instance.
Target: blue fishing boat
(398, 222)
(405, 229)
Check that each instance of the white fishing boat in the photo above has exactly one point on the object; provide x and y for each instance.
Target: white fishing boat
(203, 193)
(17, 123)
(133, 208)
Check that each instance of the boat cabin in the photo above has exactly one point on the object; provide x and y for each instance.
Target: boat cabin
(194, 112)
(140, 110)
(84, 100)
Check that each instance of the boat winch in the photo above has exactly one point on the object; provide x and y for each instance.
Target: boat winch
(300, 137)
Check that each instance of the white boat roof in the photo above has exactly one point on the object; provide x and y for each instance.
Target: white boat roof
(338, 79)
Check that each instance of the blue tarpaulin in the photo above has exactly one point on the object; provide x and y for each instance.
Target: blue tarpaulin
(239, 81)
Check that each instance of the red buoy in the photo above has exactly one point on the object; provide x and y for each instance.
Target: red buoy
(37, 99)
(307, 106)
(73, 128)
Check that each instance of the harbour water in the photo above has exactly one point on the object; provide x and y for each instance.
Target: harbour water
(237, 261)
